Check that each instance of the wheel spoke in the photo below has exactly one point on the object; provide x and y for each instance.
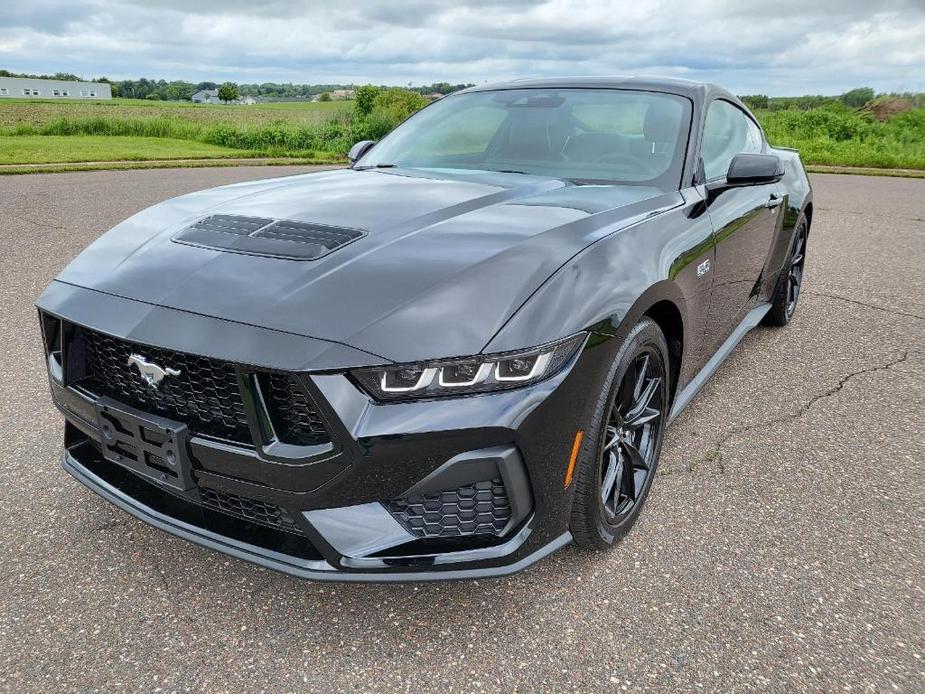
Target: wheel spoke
(641, 377)
(628, 481)
(637, 462)
(610, 477)
(612, 438)
(642, 412)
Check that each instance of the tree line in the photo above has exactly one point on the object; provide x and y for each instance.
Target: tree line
(181, 90)
(853, 98)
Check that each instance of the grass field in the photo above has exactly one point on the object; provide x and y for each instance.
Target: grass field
(838, 136)
(133, 130)
(37, 149)
(29, 112)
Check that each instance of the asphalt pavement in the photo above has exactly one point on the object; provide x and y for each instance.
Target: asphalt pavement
(782, 548)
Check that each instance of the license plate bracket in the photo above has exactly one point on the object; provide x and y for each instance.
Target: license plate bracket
(152, 446)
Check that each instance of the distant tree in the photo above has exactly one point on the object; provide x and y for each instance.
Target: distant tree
(398, 103)
(228, 92)
(324, 96)
(179, 91)
(756, 101)
(153, 96)
(364, 96)
(857, 97)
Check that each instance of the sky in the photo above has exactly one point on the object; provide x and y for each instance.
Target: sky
(775, 47)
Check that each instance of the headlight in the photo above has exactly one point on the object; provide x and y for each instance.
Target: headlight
(479, 374)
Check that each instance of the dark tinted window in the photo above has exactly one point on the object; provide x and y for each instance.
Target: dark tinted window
(727, 132)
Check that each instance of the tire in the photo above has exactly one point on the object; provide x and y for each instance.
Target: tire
(600, 518)
(790, 280)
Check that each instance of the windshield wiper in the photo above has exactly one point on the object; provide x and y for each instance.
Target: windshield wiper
(513, 171)
(376, 166)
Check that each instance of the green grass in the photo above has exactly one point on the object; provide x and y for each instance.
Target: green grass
(837, 136)
(56, 149)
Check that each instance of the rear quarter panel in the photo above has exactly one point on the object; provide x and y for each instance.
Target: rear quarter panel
(799, 194)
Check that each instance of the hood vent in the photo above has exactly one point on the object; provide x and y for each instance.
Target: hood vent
(268, 237)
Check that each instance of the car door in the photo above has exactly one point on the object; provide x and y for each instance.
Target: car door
(744, 218)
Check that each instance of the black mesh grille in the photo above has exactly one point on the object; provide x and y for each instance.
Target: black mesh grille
(294, 419)
(249, 509)
(476, 509)
(205, 395)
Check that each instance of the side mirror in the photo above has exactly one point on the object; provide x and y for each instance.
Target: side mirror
(754, 169)
(358, 150)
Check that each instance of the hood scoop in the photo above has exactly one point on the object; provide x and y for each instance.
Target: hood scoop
(274, 238)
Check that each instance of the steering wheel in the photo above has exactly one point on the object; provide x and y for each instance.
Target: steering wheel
(621, 157)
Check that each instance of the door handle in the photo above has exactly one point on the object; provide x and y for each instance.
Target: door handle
(774, 201)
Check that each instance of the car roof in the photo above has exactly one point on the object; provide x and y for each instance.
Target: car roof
(696, 91)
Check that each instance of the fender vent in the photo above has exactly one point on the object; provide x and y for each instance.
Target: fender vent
(268, 237)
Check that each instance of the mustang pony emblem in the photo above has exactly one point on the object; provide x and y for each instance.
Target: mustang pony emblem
(151, 372)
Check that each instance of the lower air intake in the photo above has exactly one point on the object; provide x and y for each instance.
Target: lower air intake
(251, 510)
(481, 508)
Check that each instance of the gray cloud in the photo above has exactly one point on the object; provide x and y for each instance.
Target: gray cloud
(784, 47)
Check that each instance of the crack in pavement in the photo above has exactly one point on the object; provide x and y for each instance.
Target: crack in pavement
(715, 454)
(864, 304)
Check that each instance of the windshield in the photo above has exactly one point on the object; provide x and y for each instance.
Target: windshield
(584, 135)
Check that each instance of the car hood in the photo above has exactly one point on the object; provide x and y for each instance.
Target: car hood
(446, 260)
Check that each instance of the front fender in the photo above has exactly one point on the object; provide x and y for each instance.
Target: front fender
(607, 287)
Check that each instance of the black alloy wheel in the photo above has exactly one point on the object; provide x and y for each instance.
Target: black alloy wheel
(633, 428)
(619, 452)
(790, 281)
(795, 275)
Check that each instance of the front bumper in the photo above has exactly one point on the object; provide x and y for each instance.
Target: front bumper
(336, 496)
(301, 567)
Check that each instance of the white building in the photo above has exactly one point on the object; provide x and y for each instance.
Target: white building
(205, 96)
(28, 88)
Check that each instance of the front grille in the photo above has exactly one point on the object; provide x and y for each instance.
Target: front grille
(481, 508)
(249, 509)
(294, 419)
(205, 395)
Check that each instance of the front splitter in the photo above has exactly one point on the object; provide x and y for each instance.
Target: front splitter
(294, 566)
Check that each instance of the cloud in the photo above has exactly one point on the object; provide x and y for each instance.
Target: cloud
(785, 47)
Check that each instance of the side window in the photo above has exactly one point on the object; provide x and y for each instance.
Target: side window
(755, 142)
(727, 132)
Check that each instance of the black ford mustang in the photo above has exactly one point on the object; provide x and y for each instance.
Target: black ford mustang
(446, 361)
